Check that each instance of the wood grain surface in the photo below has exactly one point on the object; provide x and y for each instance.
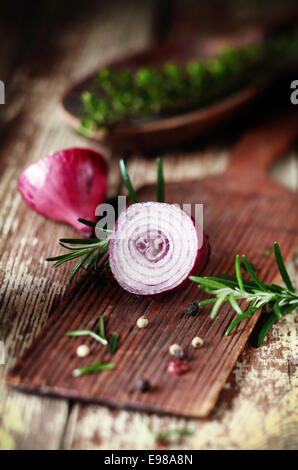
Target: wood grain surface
(257, 408)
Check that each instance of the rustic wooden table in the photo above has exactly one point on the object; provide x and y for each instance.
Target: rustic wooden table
(257, 408)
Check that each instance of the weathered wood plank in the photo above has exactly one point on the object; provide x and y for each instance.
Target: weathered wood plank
(79, 42)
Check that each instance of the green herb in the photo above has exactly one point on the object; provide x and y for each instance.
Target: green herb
(124, 95)
(254, 292)
(87, 222)
(101, 327)
(282, 269)
(113, 343)
(96, 367)
(88, 333)
(126, 180)
(160, 187)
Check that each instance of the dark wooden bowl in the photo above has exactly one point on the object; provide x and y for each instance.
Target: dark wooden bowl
(159, 131)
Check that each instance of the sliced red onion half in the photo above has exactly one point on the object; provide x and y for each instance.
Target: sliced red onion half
(155, 247)
(66, 185)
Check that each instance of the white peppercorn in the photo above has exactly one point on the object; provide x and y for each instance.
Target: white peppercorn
(83, 350)
(175, 350)
(142, 322)
(197, 342)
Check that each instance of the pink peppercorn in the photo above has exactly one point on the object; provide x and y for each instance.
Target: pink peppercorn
(177, 367)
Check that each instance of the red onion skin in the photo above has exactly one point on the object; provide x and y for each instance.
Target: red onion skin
(66, 185)
(201, 261)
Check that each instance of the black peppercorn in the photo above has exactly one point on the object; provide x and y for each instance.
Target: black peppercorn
(143, 385)
(192, 309)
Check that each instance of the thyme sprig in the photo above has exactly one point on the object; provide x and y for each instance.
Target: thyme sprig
(233, 289)
(89, 250)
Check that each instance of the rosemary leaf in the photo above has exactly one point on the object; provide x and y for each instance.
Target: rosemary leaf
(269, 323)
(238, 272)
(87, 222)
(80, 241)
(277, 310)
(78, 265)
(68, 257)
(208, 282)
(281, 266)
(289, 308)
(275, 287)
(126, 180)
(91, 261)
(236, 322)
(252, 273)
(216, 306)
(160, 186)
(96, 367)
(104, 248)
(80, 247)
(113, 343)
(235, 305)
(206, 302)
(101, 327)
(88, 333)
(241, 317)
(233, 281)
(59, 257)
(96, 259)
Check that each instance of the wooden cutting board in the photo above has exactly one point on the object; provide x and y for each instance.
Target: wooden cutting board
(244, 212)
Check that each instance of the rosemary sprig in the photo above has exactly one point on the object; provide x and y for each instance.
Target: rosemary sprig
(96, 367)
(83, 249)
(257, 294)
